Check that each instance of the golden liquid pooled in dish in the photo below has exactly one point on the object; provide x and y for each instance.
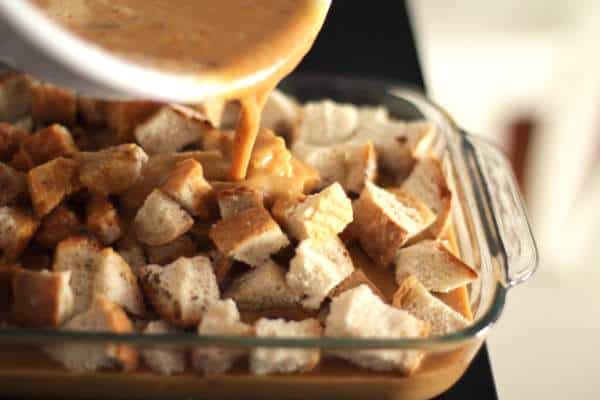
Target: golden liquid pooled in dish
(247, 46)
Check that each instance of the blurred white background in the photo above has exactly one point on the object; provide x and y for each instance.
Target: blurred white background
(496, 65)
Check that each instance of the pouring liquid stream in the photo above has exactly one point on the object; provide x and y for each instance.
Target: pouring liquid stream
(244, 47)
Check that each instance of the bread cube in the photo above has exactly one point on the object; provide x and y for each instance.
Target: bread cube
(221, 318)
(280, 114)
(132, 252)
(167, 360)
(16, 230)
(93, 112)
(158, 168)
(384, 223)
(112, 170)
(250, 236)
(170, 129)
(237, 199)
(355, 279)
(102, 316)
(428, 183)
(221, 265)
(265, 360)
(161, 220)
(53, 104)
(60, 224)
(434, 266)
(51, 182)
(262, 288)
(103, 220)
(181, 291)
(211, 110)
(183, 246)
(186, 184)
(49, 143)
(349, 164)
(325, 123)
(12, 183)
(11, 138)
(317, 268)
(397, 143)
(124, 116)
(15, 96)
(319, 216)
(413, 297)
(41, 298)
(97, 271)
(348, 318)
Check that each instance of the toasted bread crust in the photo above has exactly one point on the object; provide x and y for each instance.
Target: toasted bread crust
(52, 104)
(50, 183)
(413, 297)
(428, 182)
(434, 265)
(60, 224)
(11, 138)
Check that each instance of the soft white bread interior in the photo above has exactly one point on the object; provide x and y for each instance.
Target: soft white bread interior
(262, 288)
(96, 270)
(13, 184)
(317, 268)
(265, 361)
(181, 291)
(434, 266)
(164, 360)
(414, 298)
(187, 185)
(221, 318)
(237, 199)
(102, 316)
(428, 183)
(325, 124)
(359, 313)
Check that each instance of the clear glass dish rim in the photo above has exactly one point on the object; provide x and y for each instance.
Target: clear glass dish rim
(478, 329)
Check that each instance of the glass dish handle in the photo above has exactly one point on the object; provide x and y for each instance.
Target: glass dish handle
(509, 220)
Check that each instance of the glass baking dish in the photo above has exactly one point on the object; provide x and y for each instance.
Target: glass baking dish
(492, 234)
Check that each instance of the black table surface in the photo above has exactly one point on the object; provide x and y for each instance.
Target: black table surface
(377, 41)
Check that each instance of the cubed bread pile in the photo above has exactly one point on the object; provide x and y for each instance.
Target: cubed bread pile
(119, 217)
